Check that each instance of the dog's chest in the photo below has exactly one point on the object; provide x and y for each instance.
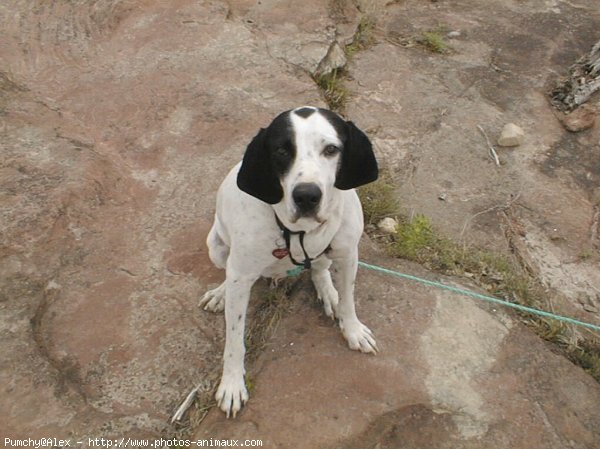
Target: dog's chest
(315, 246)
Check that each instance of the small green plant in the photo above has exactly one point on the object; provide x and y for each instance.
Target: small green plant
(379, 200)
(415, 239)
(332, 83)
(586, 254)
(587, 355)
(363, 38)
(249, 383)
(334, 91)
(434, 41)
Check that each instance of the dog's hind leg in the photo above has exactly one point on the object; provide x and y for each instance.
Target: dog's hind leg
(218, 251)
(326, 292)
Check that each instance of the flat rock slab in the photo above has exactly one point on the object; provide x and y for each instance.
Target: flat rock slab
(117, 123)
(450, 373)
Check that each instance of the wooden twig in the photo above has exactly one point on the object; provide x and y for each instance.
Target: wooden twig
(582, 82)
(505, 206)
(491, 149)
(185, 405)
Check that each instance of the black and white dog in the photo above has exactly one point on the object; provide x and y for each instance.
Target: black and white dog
(290, 203)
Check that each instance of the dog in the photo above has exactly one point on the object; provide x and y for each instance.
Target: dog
(290, 203)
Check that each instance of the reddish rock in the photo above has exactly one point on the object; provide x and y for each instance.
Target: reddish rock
(580, 119)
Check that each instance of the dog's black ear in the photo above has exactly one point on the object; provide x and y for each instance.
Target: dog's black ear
(257, 176)
(358, 165)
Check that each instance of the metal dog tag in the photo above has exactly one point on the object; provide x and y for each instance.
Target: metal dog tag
(280, 253)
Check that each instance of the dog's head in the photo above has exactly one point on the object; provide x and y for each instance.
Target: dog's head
(302, 157)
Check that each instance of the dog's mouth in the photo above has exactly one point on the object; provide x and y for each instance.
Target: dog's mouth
(310, 215)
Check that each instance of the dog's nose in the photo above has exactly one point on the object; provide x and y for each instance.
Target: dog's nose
(307, 196)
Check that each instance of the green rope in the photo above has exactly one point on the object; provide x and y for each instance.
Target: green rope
(480, 296)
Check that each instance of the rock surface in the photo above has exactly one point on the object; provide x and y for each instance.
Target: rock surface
(449, 374)
(118, 122)
(119, 119)
(423, 111)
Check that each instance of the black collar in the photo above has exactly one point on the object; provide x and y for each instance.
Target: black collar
(287, 236)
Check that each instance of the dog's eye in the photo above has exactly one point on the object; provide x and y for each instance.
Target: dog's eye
(331, 150)
(282, 152)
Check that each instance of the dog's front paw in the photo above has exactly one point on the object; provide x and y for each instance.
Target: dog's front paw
(359, 336)
(329, 297)
(326, 292)
(214, 300)
(231, 394)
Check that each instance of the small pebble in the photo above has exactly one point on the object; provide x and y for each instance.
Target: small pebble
(388, 225)
(511, 136)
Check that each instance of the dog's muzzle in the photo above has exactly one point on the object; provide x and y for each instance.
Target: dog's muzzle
(307, 197)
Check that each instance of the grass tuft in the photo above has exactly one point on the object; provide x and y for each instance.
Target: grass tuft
(334, 91)
(415, 239)
(434, 40)
(587, 355)
(332, 84)
(363, 37)
(379, 200)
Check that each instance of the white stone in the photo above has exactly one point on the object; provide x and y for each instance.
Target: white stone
(388, 225)
(511, 136)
